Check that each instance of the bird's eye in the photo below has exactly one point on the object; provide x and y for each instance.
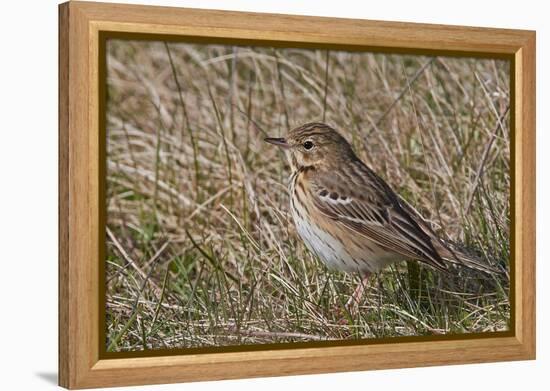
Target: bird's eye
(308, 145)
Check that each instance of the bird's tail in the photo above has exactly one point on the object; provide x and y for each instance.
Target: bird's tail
(455, 255)
(449, 251)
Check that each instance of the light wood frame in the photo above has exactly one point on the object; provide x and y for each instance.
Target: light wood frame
(80, 24)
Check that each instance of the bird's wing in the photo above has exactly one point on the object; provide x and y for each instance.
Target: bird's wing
(370, 208)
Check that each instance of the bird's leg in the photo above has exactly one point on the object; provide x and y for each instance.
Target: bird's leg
(353, 303)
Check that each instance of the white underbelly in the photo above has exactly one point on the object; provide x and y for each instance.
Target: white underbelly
(333, 252)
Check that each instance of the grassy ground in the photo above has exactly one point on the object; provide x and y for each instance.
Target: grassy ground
(201, 249)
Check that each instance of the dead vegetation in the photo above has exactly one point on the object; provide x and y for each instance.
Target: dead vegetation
(201, 250)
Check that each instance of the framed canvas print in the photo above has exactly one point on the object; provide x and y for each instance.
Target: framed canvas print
(248, 195)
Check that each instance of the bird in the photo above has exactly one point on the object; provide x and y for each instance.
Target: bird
(349, 217)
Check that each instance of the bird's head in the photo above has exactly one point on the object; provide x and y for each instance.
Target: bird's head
(315, 145)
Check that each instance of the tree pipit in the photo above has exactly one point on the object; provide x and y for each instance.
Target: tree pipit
(350, 217)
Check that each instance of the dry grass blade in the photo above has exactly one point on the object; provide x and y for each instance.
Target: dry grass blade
(130, 261)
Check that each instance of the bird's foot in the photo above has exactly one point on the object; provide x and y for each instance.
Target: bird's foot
(351, 308)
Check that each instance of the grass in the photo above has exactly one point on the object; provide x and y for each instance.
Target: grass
(201, 249)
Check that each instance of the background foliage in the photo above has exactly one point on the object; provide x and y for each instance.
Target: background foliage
(201, 249)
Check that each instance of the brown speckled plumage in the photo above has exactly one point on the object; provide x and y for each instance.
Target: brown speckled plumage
(349, 216)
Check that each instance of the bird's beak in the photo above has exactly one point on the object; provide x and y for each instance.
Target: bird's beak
(278, 141)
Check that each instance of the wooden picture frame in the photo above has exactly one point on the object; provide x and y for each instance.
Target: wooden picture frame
(81, 25)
